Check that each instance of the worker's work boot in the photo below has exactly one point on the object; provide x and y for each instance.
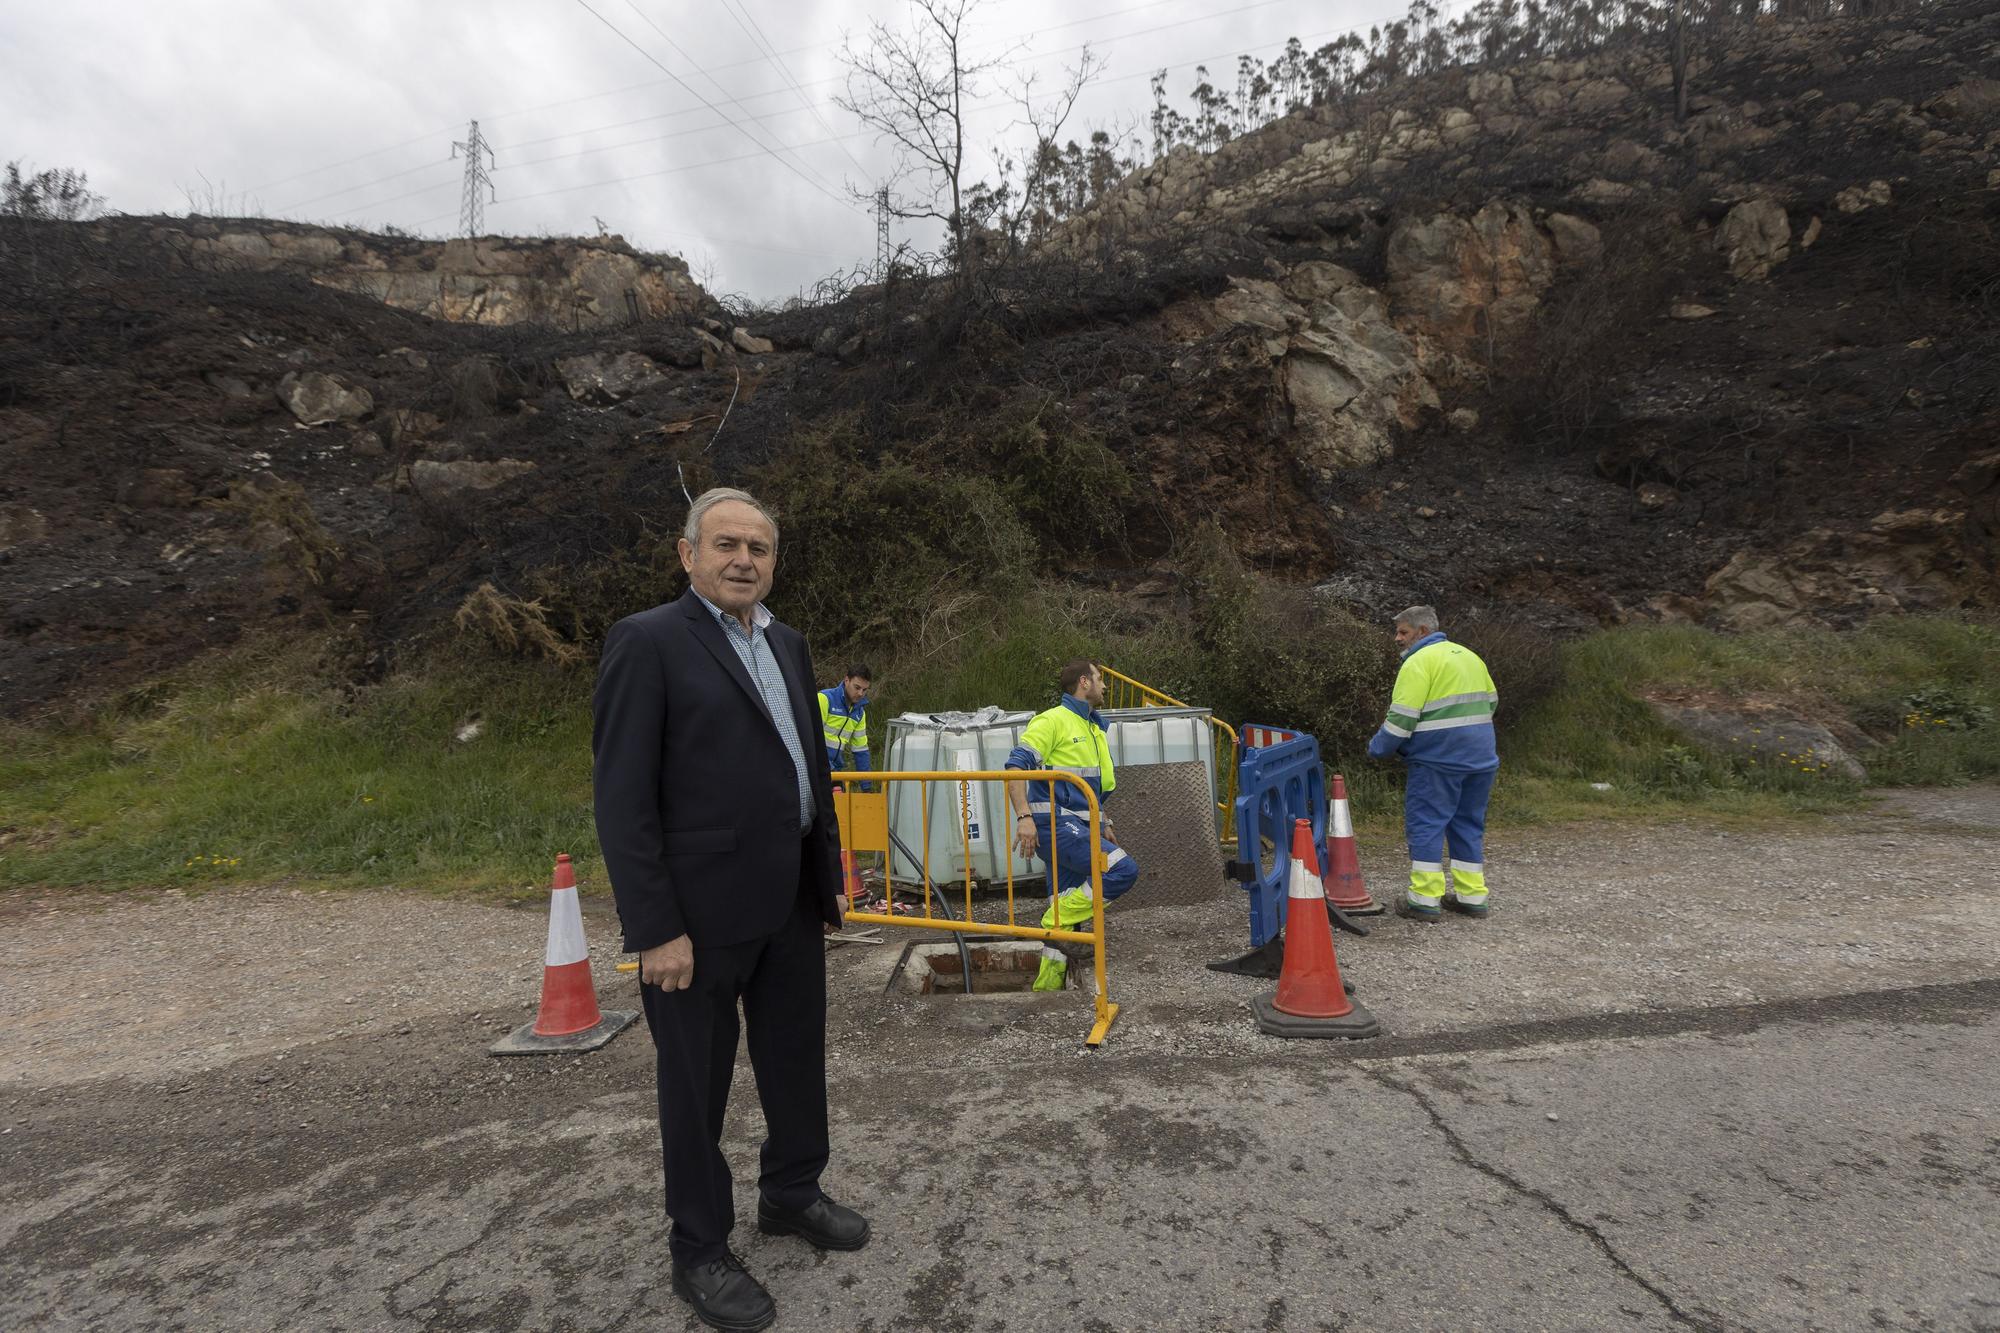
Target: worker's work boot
(1406, 908)
(1475, 910)
(1054, 969)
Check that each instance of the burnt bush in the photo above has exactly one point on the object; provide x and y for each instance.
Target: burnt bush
(1263, 651)
(1554, 384)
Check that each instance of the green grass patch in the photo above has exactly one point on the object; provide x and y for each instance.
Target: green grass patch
(258, 768)
(247, 773)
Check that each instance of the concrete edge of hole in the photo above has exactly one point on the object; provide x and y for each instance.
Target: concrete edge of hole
(905, 975)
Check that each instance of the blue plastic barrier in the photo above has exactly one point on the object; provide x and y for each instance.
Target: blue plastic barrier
(1275, 786)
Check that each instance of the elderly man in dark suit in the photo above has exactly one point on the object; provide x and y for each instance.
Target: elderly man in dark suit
(715, 814)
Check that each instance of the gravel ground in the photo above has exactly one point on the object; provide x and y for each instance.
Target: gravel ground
(1586, 921)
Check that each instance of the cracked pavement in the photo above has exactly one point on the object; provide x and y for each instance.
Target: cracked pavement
(1518, 1152)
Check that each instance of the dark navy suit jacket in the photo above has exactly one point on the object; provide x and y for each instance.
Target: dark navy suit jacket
(696, 799)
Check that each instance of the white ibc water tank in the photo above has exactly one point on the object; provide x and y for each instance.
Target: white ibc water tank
(976, 816)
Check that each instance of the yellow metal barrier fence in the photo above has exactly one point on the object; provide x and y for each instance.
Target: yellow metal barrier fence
(1121, 691)
(864, 827)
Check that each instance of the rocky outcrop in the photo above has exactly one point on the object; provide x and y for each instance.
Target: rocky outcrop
(567, 283)
(1348, 378)
(1907, 560)
(1467, 283)
(1762, 736)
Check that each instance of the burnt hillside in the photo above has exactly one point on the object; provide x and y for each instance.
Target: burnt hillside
(1497, 338)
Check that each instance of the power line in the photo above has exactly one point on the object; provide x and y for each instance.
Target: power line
(755, 31)
(736, 64)
(1146, 73)
(711, 106)
(712, 80)
(379, 180)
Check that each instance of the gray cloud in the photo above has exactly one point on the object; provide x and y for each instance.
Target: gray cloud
(347, 113)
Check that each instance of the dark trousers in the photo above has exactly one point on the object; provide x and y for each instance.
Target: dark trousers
(781, 981)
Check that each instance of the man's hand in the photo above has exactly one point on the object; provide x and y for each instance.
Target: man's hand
(669, 966)
(1110, 835)
(1024, 835)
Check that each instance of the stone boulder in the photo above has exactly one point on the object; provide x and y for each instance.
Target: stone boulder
(1861, 198)
(448, 483)
(1755, 237)
(318, 400)
(1766, 736)
(602, 378)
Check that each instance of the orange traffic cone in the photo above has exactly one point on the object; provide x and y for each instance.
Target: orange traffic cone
(1310, 1000)
(1344, 888)
(850, 880)
(568, 1019)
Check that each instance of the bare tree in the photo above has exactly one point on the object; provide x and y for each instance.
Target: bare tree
(911, 87)
(1045, 119)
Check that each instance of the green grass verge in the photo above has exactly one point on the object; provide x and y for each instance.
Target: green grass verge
(244, 774)
(250, 769)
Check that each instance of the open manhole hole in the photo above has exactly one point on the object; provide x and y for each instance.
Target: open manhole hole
(997, 969)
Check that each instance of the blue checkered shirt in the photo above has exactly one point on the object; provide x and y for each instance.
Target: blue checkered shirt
(753, 649)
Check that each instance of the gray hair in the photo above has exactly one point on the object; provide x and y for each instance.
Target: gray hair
(1423, 618)
(714, 496)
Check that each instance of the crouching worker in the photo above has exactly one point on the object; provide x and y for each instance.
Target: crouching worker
(1052, 819)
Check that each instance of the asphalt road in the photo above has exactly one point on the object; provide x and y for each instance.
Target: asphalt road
(1566, 1127)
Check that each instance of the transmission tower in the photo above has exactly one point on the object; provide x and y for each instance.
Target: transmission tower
(478, 185)
(882, 233)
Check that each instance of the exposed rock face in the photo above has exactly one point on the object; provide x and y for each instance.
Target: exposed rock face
(1463, 282)
(1347, 375)
(1908, 560)
(570, 284)
(319, 400)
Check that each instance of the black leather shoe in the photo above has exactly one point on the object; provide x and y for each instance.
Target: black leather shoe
(724, 1295)
(826, 1224)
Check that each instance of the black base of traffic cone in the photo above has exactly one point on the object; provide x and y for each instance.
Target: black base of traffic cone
(1274, 1022)
(523, 1041)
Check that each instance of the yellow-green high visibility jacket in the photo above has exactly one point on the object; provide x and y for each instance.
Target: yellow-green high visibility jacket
(1442, 710)
(1069, 737)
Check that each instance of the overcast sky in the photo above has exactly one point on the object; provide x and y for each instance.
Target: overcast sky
(346, 113)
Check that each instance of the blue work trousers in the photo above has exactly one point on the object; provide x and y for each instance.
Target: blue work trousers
(1443, 808)
(1071, 848)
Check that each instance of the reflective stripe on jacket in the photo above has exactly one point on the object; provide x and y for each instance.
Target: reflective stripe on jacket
(1442, 710)
(1069, 737)
(844, 729)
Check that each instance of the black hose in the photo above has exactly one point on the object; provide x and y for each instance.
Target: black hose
(964, 954)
